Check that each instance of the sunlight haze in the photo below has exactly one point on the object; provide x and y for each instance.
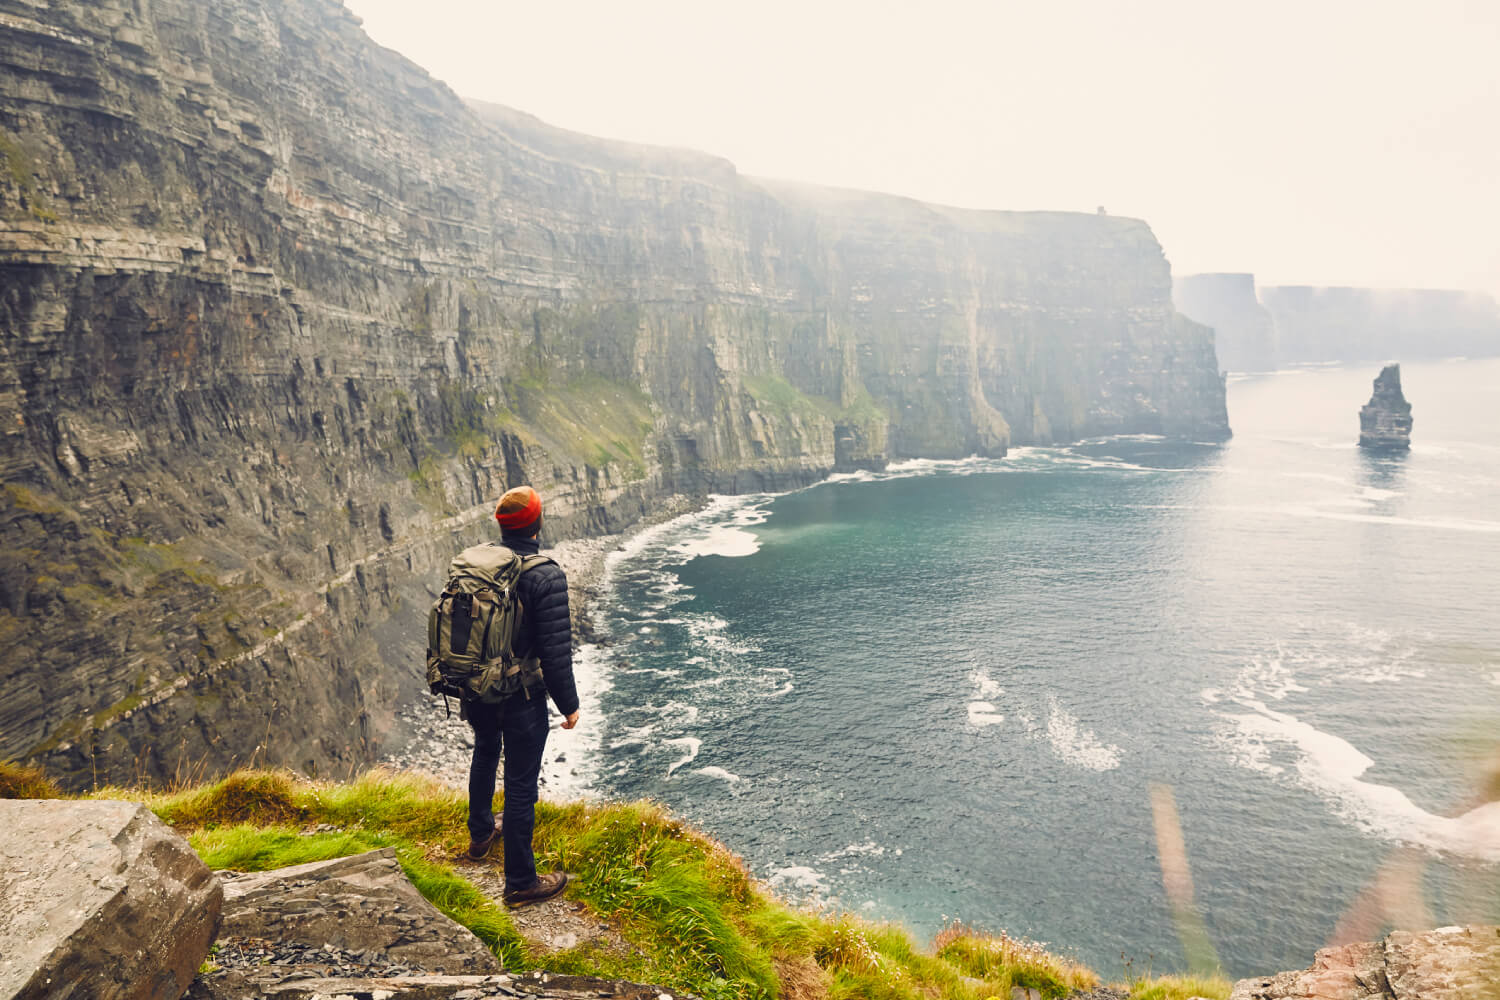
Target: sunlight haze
(1349, 143)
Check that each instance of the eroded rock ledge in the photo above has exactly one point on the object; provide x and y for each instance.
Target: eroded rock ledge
(1451, 963)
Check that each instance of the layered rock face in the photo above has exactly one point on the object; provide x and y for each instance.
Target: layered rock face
(1369, 324)
(1244, 335)
(281, 316)
(1385, 421)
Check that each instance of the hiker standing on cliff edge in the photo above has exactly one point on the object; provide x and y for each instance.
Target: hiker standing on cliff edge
(517, 721)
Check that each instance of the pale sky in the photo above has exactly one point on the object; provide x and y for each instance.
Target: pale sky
(1308, 141)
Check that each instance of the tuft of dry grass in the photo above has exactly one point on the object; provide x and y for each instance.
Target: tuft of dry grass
(801, 979)
(1007, 961)
(23, 781)
(1180, 988)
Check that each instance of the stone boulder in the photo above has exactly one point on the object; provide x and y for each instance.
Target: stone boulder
(100, 900)
(1385, 421)
(1451, 963)
(355, 915)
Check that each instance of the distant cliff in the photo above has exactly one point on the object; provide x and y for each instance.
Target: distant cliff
(1373, 324)
(281, 316)
(1244, 334)
(1300, 324)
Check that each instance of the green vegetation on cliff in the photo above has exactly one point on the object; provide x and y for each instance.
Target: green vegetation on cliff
(778, 395)
(691, 916)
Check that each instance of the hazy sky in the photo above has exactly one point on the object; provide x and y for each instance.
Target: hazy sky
(1310, 142)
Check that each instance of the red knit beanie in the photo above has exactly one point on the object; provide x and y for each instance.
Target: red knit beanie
(519, 509)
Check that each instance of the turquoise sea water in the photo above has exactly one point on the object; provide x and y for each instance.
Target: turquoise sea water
(948, 690)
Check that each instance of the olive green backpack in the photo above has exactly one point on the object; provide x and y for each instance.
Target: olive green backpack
(471, 629)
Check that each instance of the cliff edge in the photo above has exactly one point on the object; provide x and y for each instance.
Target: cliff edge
(281, 315)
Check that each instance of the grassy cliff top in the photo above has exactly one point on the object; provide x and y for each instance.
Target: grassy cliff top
(693, 917)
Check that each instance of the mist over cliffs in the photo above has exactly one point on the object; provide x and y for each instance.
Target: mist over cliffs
(1259, 329)
(282, 315)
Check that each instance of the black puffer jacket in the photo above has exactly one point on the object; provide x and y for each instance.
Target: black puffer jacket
(545, 628)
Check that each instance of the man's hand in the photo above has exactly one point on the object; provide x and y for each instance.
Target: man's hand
(570, 721)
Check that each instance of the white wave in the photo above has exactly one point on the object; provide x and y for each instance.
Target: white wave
(1076, 745)
(723, 527)
(639, 736)
(858, 476)
(573, 754)
(809, 881)
(1211, 696)
(771, 675)
(869, 849)
(1112, 438)
(986, 686)
(718, 772)
(982, 713)
(678, 712)
(1248, 748)
(728, 540)
(1382, 673)
(651, 671)
(1334, 767)
(1495, 678)
(693, 745)
(1267, 677)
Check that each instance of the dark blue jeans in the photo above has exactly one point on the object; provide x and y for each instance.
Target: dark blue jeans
(520, 725)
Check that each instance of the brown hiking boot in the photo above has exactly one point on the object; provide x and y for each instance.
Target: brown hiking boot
(544, 888)
(479, 848)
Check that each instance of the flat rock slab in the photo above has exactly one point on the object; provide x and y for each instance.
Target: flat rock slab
(1451, 963)
(531, 985)
(362, 905)
(99, 900)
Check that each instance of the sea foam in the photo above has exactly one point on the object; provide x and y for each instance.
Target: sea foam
(1076, 745)
(1334, 767)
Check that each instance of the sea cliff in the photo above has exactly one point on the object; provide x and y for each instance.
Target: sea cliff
(281, 315)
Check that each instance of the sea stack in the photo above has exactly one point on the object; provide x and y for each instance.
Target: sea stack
(1385, 421)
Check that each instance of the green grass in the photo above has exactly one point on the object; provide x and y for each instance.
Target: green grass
(775, 393)
(1180, 988)
(15, 164)
(586, 417)
(690, 916)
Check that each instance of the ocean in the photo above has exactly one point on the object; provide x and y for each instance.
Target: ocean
(1154, 703)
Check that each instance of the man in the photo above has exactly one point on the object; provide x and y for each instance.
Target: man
(518, 722)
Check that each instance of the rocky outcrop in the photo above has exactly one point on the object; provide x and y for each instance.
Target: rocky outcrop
(356, 926)
(280, 316)
(1367, 324)
(99, 900)
(1451, 963)
(535, 985)
(1385, 421)
(1244, 334)
(363, 904)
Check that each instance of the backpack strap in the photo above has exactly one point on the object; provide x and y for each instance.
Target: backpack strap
(533, 561)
